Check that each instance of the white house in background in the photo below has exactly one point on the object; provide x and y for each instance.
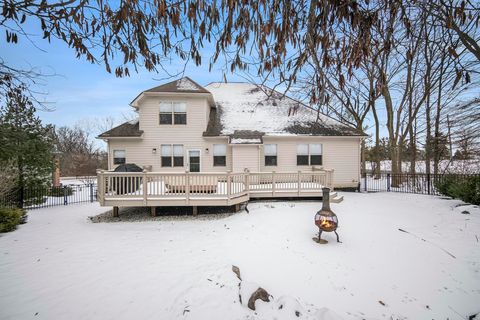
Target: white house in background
(235, 127)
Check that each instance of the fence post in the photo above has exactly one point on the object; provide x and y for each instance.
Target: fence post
(388, 181)
(65, 199)
(428, 182)
(21, 197)
(365, 181)
(91, 192)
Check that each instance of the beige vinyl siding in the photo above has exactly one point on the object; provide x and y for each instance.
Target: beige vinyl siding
(208, 158)
(339, 153)
(245, 157)
(139, 151)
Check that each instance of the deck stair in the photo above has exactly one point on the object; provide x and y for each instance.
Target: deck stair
(335, 198)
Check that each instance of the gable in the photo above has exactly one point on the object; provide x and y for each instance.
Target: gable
(182, 85)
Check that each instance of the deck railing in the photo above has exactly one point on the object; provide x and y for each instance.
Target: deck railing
(186, 188)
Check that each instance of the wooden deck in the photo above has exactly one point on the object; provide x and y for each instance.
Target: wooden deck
(152, 189)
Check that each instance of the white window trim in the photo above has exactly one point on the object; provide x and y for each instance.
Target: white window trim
(172, 112)
(113, 156)
(219, 155)
(188, 159)
(270, 155)
(172, 154)
(309, 154)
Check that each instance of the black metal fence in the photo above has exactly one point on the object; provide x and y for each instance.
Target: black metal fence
(420, 183)
(41, 197)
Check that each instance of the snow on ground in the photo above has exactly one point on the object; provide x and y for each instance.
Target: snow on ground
(454, 166)
(62, 266)
(78, 181)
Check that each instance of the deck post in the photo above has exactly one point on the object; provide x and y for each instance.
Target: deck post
(299, 182)
(145, 187)
(115, 212)
(330, 180)
(247, 181)
(153, 211)
(229, 185)
(187, 187)
(237, 207)
(194, 211)
(100, 186)
(273, 183)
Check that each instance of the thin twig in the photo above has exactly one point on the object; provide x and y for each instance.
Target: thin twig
(402, 230)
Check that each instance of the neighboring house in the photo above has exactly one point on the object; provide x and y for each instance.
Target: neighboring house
(232, 127)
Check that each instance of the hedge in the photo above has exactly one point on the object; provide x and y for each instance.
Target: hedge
(466, 188)
(10, 218)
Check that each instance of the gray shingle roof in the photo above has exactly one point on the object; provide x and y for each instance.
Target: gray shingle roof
(127, 129)
(184, 84)
(249, 107)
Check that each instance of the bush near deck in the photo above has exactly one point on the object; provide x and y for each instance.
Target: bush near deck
(10, 218)
(466, 189)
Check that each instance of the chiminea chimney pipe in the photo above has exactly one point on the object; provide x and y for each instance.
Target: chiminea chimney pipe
(326, 199)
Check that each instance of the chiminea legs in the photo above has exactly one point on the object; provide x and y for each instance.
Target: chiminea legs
(338, 238)
(322, 241)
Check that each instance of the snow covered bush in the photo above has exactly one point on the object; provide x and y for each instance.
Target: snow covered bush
(10, 218)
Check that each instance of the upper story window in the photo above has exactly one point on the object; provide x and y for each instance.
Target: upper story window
(119, 157)
(309, 154)
(172, 155)
(173, 113)
(270, 151)
(219, 155)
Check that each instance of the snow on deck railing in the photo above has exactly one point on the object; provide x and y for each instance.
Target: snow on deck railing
(185, 186)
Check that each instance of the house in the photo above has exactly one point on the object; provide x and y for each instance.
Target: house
(232, 127)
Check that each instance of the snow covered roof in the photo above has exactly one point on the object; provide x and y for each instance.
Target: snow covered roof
(184, 84)
(244, 107)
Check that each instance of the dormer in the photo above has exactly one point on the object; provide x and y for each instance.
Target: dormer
(183, 87)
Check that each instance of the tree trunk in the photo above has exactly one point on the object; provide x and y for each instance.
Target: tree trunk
(377, 144)
(428, 139)
(364, 164)
(413, 150)
(395, 156)
(436, 151)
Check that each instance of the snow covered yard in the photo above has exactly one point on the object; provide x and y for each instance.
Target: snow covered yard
(62, 266)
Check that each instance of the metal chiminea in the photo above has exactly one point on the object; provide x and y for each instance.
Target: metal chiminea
(325, 219)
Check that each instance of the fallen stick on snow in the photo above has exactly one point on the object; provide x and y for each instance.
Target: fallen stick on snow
(451, 255)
